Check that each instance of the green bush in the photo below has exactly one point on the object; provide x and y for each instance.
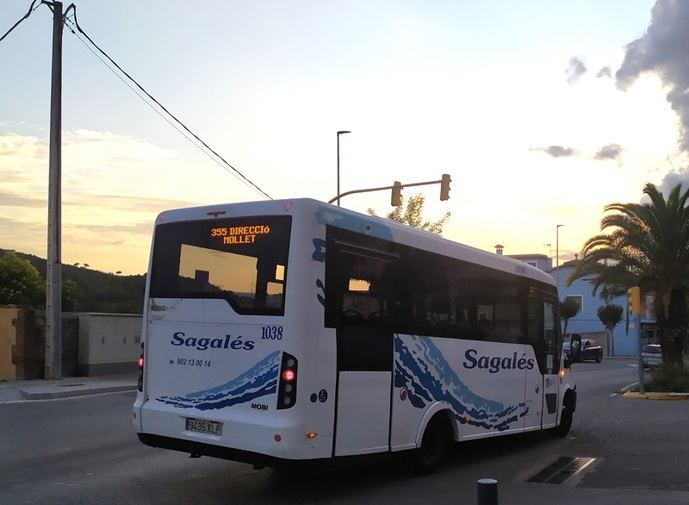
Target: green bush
(669, 380)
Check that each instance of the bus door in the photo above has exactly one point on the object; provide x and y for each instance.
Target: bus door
(364, 351)
(551, 377)
(542, 382)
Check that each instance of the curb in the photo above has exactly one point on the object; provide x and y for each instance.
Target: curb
(656, 396)
(52, 395)
(627, 388)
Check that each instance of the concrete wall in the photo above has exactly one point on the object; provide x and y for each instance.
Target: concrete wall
(108, 343)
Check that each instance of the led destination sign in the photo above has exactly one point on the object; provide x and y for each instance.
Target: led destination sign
(235, 235)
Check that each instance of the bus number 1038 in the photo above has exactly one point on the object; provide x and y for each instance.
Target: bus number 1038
(271, 332)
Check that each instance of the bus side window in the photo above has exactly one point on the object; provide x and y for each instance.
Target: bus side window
(551, 337)
(543, 334)
(535, 330)
(366, 291)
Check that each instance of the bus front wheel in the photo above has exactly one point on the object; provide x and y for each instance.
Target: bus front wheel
(435, 445)
(566, 418)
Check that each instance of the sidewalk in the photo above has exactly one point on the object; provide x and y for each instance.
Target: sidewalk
(40, 389)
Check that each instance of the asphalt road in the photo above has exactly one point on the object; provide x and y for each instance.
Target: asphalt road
(83, 450)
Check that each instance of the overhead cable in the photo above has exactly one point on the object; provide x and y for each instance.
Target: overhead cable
(28, 13)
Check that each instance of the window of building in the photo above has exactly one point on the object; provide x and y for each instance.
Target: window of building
(578, 299)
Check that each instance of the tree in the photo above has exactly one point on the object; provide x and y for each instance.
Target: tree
(20, 282)
(412, 215)
(610, 315)
(568, 309)
(647, 245)
(69, 296)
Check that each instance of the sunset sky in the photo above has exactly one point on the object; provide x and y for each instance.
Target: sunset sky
(542, 112)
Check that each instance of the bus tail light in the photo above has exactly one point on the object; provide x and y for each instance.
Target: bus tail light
(287, 387)
(140, 363)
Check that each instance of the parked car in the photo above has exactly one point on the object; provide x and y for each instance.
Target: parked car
(651, 356)
(579, 349)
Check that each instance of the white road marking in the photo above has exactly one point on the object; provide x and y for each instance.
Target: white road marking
(91, 395)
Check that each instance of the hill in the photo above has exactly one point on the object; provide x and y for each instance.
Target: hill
(98, 291)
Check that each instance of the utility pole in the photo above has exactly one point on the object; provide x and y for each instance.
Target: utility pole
(53, 334)
(341, 132)
(557, 256)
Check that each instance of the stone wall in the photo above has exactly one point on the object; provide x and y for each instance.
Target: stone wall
(21, 348)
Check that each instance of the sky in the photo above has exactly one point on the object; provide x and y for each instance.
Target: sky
(542, 113)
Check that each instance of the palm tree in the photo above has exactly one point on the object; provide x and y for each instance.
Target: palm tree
(647, 246)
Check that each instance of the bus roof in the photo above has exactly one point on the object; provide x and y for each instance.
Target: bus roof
(354, 221)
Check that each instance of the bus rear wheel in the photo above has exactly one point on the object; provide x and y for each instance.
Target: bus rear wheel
(435, 445)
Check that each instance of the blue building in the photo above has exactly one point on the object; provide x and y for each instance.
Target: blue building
(586, 322)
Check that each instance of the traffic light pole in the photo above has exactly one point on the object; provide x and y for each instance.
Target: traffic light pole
(383, 188)
(634, 309)
(639, 350)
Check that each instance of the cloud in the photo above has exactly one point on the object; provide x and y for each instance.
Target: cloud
(609, 152)
(662, 50)
(575, 70)
(673, 178)
(125, 203)
(143, 228)
(113, 186)
(10, 199)
(557, 151)
(604, 72)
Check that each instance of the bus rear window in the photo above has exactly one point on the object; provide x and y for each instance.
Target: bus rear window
(240, 260)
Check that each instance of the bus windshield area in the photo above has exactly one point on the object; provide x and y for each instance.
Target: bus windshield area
(240, 260)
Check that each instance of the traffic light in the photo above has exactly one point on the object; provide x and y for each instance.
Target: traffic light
(445, 187)
(396, 197)
(634, 300)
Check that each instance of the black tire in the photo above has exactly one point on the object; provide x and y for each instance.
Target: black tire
(562, 429)
(599, 358)
(435, 445)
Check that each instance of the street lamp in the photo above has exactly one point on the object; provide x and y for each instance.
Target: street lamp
(341, 132)
(557, 254)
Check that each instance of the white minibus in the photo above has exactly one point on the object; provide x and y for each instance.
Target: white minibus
(293, 330)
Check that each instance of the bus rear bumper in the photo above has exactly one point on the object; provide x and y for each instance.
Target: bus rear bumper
(216, 451)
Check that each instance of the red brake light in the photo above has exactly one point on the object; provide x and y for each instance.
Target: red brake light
(288, 375)
(140, 363)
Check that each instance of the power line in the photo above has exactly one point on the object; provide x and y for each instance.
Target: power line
(28, 13)
(237, 173)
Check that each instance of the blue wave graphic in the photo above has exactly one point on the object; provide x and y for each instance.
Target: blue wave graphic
(423, 370)
(259, 380)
